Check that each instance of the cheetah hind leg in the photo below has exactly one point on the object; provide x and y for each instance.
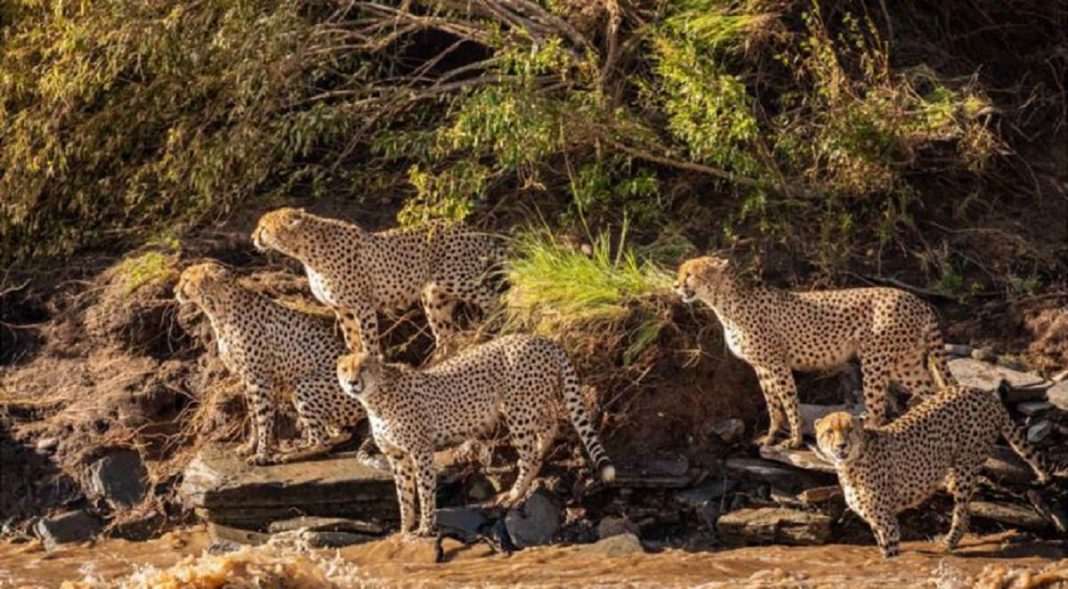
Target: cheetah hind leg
(961, 484)
(532, 446)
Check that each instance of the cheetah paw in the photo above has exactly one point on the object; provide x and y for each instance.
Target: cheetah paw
(788, 444)
(260, 460)
(246, 449)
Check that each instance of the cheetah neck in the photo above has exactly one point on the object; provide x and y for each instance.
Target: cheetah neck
(328, 243)
(221, 304)
(390, 379)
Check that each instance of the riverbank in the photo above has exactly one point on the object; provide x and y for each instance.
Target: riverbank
(179, 559)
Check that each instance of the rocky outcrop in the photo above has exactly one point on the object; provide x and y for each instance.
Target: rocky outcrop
(221, 488)
(774, 525)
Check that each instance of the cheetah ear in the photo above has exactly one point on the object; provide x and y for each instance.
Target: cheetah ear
(857, 422)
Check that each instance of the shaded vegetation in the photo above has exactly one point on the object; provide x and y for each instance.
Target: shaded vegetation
(839, 133)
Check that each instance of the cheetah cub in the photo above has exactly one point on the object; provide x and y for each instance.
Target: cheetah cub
(521, 380)
(944, 440)
(272, 348)
(894, 333)
(359, 273)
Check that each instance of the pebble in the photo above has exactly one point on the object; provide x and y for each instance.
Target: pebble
(1039, 431)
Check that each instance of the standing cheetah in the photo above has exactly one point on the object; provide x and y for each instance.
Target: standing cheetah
(273, 348)
(520, 379)
(359, 273)
(894, 333)
(943, 440)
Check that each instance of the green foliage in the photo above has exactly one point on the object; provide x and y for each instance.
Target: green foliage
(761, 120)
(556, 289)
(152, 267)
(120, 118)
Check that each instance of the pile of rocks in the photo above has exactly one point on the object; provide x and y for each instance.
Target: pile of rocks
(782, 497)
(114, 484)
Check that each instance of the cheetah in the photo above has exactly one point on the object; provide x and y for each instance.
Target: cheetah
(894, 334)
(945, 439)
(521, 379)
(273, 348)
(359, 273)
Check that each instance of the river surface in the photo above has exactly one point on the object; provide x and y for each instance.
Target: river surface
(178, 559)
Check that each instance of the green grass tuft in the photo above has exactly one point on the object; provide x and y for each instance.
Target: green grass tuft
(608, 292)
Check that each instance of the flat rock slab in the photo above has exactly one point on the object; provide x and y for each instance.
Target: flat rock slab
(986, 376)
(327, 524)
(224, 489)
(767, 525)
(806, 459)
(1007, 465)
(774, 473)
(1058, 395)
(1014, 515)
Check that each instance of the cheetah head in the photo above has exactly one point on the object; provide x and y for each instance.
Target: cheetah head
(358, 374)
(701, 278)
(839, 436)
(280, 230)
(199, 279)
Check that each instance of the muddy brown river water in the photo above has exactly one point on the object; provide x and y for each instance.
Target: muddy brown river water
(179, 559)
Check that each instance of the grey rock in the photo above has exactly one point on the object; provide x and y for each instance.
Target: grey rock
(667, 467)
(120, 478)
(1007, 465)
(1014, 515)
(1032, 408)
(1060, 376)
(1058, 395)
(614, 526)
(617, 545)
(463, 521)
(536, 521)
(138, 527)
(817, 495)
(327, 524)
(228, 535)
(773, 473)
(325, 539)
(958, 350)
(706, 492)
(984, 354)
(985, 376)
(71, 526)
(1039, 431)
(729, 430)
(222, 488)
(774, 525)
(806, 459)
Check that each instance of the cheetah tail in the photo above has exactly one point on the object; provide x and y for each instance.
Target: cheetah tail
(937, 363)
(580, 419)
(1022, 447)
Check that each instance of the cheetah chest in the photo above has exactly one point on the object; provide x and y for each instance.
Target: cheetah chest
(732, 335)
(320, 289)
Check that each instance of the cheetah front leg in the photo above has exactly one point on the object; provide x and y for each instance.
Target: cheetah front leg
(263, 415)
(888, 535)
(359, 325)
(425, 481)
(404, 479)
(780, 394)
